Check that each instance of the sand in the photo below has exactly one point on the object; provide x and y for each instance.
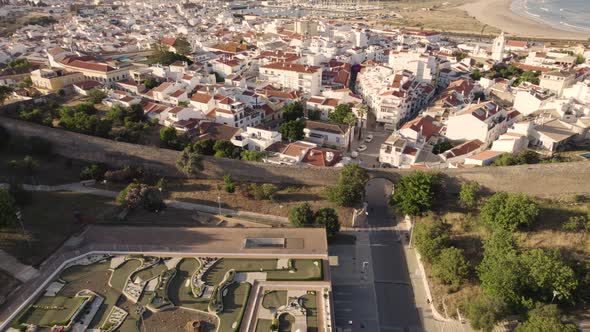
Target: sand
(497, 13)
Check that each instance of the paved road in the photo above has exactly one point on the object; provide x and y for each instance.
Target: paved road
(379, 296)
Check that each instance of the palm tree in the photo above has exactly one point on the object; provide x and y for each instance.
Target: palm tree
(361, 110)
(350, 120)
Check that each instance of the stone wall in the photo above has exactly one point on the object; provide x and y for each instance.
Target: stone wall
(540, 180)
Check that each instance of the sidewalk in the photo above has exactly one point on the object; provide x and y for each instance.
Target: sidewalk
(12, 266)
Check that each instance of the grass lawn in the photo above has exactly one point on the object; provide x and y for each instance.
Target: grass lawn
(58, 310)
(263, 325)
(49, 221)
(305, 269)
(151, 272)
(179, 290)
(122, 273)
(310, 303)
(274, 299)
(234, 303)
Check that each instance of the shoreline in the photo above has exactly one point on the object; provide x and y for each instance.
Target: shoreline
(498, 13)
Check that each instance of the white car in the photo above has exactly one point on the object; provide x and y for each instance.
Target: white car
(369, 138)
(361, 148)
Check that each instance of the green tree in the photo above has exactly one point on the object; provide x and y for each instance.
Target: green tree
(19, 63)
(314, 115)
(93, 172)
(228, 184)
(251, 155)
(27, 82)
(415, 193)
(442, 147)
(430, 238)
(150, 83)
(189, 162)
(476, 74)
(483, 311)
(450, 267)
(161, 55)
(30, 164)
(350, 186)
(546, 318)
(509, 211)
(7, 209)
(96, 96)
(546, 273)
(168, 136)
(580, 59)
(500, 272)
(292, 130)
(225, 149)
(341, 114)
(301, 215)
(182, 46)
(293, 111)
(469, 194)
(328, 218)
(5, 92)
(204, 147)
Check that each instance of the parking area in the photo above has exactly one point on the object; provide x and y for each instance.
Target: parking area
(369, 157)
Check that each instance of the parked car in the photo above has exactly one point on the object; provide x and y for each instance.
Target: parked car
(361, 148)
(369, 138)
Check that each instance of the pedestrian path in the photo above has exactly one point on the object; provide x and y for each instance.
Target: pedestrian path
(12, 266)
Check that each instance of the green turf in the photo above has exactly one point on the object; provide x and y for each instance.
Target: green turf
(151, 272)
(179, 290)
(59, 312)
(305, 269)
(310, 303)
(122, 273)
(215, 274)
(263, 325)
(82, 272)
(274, 299)
(234, 303)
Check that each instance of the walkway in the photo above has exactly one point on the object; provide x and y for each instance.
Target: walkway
(12, 266)
(248, 216)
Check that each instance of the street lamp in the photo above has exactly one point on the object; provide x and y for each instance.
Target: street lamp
(219, 204)
(19, 217)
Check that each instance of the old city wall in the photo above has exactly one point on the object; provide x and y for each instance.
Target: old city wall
(540, 180)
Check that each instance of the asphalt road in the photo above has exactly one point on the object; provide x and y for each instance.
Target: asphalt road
(371, 284)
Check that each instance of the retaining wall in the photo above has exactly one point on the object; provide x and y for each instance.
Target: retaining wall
(540, 179)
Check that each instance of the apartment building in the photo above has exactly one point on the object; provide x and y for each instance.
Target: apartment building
(53, 80)
(305, 78)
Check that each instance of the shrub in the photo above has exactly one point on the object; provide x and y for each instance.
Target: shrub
(262, 191)
(96, 96)
(162, 184)
(577, 224)
(138, 194)
(509, 211)
(450, 267)
(431, 237)
(483, 311)
(328, 218)
(30, 164)
(302, 215)
(252, 155)
(189, 161)
(469, 194)
(124, 175)
(350, 187)
(228, 185)
(7, 208)
(546, 317)
(93, 172)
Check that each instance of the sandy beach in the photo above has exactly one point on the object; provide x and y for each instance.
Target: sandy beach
(497, 13)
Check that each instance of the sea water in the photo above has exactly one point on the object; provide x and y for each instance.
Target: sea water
(571, 15)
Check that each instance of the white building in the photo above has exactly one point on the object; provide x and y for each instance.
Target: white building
(485, 122)
(498, 48)
(255, 139)
(307, 79)
(558, 80)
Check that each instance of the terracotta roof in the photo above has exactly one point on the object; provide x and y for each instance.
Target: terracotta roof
(306, 69)
(177, 93)
(217, 131)
(424, 125)
(322, 157)
(462, 149)
(170, 41)
(90, 66)
(202, 98)
(326, 126)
